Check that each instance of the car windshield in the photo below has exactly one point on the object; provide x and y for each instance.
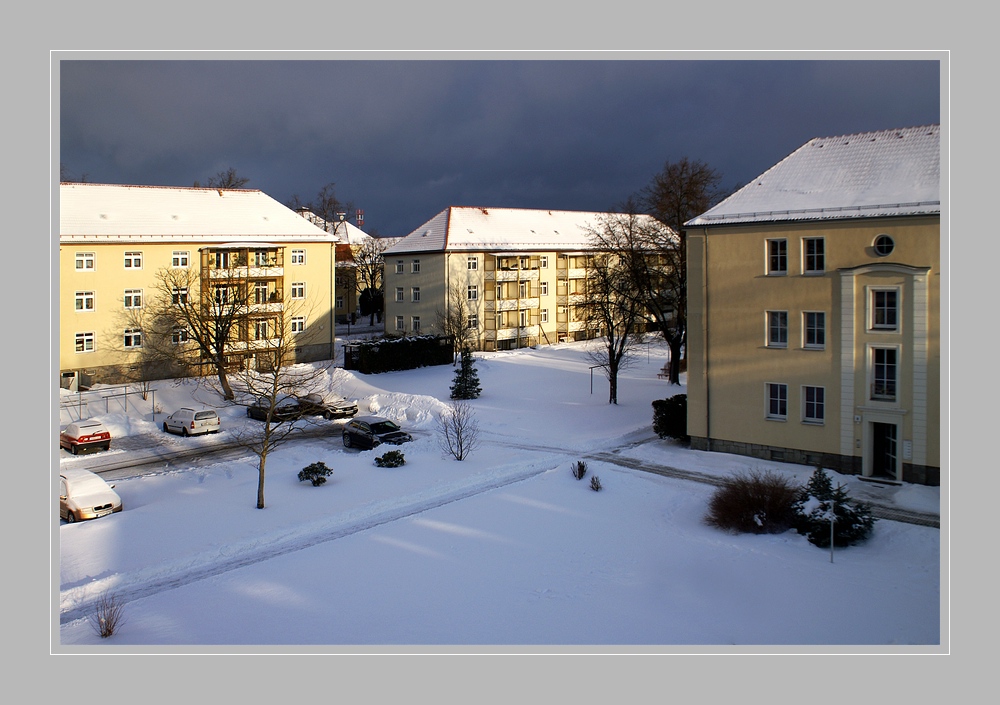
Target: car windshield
(384, 427)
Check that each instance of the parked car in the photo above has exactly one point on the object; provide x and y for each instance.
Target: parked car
(371, 431)
(192, 422)
(330, 407)
(85, 495)
(285, 409)
(83, 435)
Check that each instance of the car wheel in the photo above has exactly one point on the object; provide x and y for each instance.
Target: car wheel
(327, 415)
(165, 428)
(184, 431)
(70, 518)
(75, 450)
(347, 440)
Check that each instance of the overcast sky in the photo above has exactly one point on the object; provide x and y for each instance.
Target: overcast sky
(404, 139)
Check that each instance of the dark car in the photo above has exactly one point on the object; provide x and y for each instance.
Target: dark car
(331, 407)
(371, 431)
(285, 409)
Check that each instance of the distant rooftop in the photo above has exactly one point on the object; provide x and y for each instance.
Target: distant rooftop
(96, 212)
(864, 175)
(467, 228)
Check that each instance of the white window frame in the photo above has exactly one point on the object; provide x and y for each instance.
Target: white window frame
(472, 262)
(473, 322)
(179, 336)
(298, 324)
(415, 267)
(543, 262)
(298, 290)
(873, 311)
(132, 298)
(298, 257)
(84, 301)
(777, 323)
(813, 263)
(873, 373)
(415, 324)
(339, 301)
(400, 294)
(132, 338)
(262, 329)
(544, 315)
(776, 401)
(813, 409)
(543, 289)
(399, 266)
(806, 328)
(415, 294)
(472, 292)
(776, 262)
(179, 296)
(180, 259)
(85, 342)
(400, 323)
(83, 259)
(133, 259)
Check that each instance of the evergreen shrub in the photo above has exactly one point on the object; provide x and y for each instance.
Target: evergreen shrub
(392, 459)
(817, 500)
(315, 473)
(670, 418)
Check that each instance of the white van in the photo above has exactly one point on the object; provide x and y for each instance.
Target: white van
(191, 422)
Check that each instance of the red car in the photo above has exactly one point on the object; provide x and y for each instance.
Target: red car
(81, 435)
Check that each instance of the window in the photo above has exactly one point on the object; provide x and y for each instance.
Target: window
(523, 318)
(222, 295)
(814, 257)
(884, 309)
(261, 258)
(777, 256)
(884, 374)
(179, 296)
(522, 290)
(133, 298)
(544, 288)
(415, 266)
(399, 323)
(85, 342)
(415, 324)
(85, 261)
(298, 324)
(223, 259)
(260, 292)
(133, 260)
(133, 338)
(777, 401)
(178, 336)
(777, 329)
(339, 301)
(522, 263)
(473, 262)
(180, 258)
(399, 266)
(84, 301)
(415, 294)
(298, 290)
(399, 293)
(298, 256)
(545, 315)
(473, 322)
(543, 262)
(883, 245)
(813, 403)
(814, 329)
(261, 330)
(473, 292)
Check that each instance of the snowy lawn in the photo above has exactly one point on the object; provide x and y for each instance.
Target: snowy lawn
(504, 549)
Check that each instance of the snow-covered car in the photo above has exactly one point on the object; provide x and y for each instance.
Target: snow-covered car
(371, 431)
(285, 409)
(83, 435)
(192, 422)
(329, 407)
(85, 495)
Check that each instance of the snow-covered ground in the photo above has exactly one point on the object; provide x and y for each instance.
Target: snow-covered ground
(504, 549)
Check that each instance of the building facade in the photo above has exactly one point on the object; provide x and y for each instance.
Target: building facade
(814, 310)
(117, 243)
(518, 276)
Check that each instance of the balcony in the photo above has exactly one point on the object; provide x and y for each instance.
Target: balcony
(512, 333)
(512, 275)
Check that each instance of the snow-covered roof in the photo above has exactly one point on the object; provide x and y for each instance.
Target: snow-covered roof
(864, 175)
(347, 232)
(467, 228)
(114, 212)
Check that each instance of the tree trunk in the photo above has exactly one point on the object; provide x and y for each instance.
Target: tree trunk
(674, 371)
(612, 383)
(227, 391)
(260, 481)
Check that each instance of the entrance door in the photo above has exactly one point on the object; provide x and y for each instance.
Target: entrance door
(884, 450)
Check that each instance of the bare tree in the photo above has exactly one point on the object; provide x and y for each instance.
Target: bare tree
(194, 320)
(225, 179)
(678, 193)
(326, 206)
(611, 302)
(268, 381)
(454, 319)
(369, 262)
(458, 430)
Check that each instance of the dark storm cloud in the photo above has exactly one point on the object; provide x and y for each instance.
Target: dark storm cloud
(405, 139)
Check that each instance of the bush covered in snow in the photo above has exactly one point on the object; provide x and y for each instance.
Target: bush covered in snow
(755, 502)
(392, 459)
(818, 501)
(315, 473)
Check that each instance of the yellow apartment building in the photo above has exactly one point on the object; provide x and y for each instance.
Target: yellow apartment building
(521, 274)
(814, 320)
(115, 241)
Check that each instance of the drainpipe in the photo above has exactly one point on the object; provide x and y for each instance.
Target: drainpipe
(708, 388)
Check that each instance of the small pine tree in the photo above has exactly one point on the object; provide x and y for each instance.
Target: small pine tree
(466, 384)
(315, 473)
(852, 520)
